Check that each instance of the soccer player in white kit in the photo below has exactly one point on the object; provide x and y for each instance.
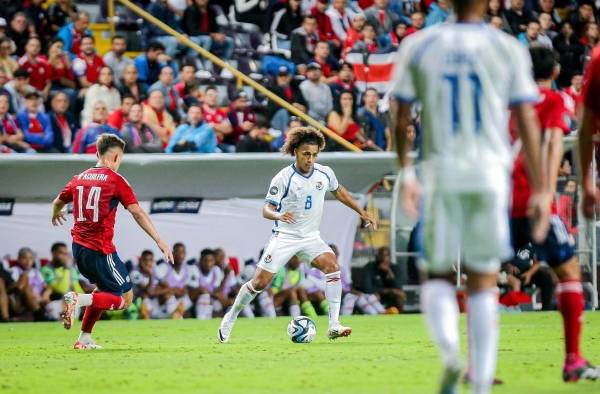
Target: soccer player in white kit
(466, 75)
(295, 200)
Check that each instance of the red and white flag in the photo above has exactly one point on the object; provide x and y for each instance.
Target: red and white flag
(372, 70)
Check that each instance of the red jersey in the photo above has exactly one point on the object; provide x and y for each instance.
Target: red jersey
(552, 113)
(591, 86)
(90, 68)
(96, 194)
(39, 71)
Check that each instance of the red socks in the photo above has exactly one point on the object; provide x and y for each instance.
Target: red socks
(90, 317)
(571, 305)
(105, 301)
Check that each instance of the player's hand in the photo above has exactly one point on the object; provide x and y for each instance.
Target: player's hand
(59, 218)
(287, 217)
(166, 251)
(591, 202)
(539, 214)
(411, 192)
(369, 220)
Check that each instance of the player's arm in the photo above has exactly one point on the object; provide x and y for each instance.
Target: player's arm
(410, 186)
(345, 198)
(585, 162)
(269, 211)
(59, 203)
(539, 203)
(553, 149)
(144, 221)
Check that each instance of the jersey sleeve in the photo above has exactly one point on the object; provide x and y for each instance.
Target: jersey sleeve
(66, 195)
(522, 87)
(333, 181)
(125, 192)
(403, 87)
(558, 115)
(276, 189)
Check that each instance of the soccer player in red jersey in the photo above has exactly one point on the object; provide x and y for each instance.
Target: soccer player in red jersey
(96, 194)
(589, 132)
(558, 250)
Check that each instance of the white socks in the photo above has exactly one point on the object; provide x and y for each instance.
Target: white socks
(243, 298)
(84, 337)
(438, 302)
(84, 300)
(333, 293)
(483, 338)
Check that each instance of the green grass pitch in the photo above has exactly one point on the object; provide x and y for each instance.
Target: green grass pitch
(385, 354)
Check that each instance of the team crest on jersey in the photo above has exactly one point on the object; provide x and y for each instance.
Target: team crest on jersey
(524, 254)
(320, 185)
(268, 258)
(273, 191)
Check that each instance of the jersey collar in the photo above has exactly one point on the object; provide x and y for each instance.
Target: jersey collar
(301, 174)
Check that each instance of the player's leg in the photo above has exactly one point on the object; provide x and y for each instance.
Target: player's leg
(560, 255)
(439, 237)
(267, 307)
(305, 303)
(349, 301)
(292, 297)
(204, 307)
(276, 255)
(374, 303)
(324, 259)
(486, 243)
(4, 316)
(318, 297)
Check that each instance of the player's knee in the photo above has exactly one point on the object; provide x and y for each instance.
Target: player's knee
(259, 284)
(128, 299)
(331, 266)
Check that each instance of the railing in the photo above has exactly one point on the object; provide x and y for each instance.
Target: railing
(239, 75)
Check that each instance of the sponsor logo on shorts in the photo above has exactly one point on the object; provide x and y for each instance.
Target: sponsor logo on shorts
(268, 258)
(319, 185)
(273, 191)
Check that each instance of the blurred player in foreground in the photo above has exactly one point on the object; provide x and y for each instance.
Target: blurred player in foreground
(466, 75)
(96, 194)
(558, 250)
(295, 201)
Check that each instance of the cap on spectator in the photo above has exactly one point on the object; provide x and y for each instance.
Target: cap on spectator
(21, 73)
(2, 23)
(240, 94)
(283, 70)
(359, 15)
(313, 66)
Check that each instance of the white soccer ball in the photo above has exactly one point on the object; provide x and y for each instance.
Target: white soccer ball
(302, 330)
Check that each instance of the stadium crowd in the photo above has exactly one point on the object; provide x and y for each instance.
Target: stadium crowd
(57, 94)
(201, 288)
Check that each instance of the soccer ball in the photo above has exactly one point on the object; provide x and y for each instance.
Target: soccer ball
(302, 330)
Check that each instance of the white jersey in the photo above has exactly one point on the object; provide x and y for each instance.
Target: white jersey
(303, 196)
(465, 76)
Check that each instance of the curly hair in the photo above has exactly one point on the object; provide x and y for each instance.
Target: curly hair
(302, 135)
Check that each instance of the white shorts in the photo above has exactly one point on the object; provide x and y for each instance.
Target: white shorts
(472, 224)
(281, 249)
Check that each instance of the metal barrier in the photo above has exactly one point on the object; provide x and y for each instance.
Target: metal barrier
(241, 76)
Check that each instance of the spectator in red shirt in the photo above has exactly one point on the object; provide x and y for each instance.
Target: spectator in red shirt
(368, 40)
(39, 70)
(157, 117)
(358, 21)
(345, 82)
(417, 20)
(36, 125)
(391, 41)
(324, 28)
(343, 121)
(62, 124)
(329, 65)
(215, 116)
(242, 119)
(119, 116)
(10, 133)
(87, 65)
(574, 91)
(61, 73)
(187, 74)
